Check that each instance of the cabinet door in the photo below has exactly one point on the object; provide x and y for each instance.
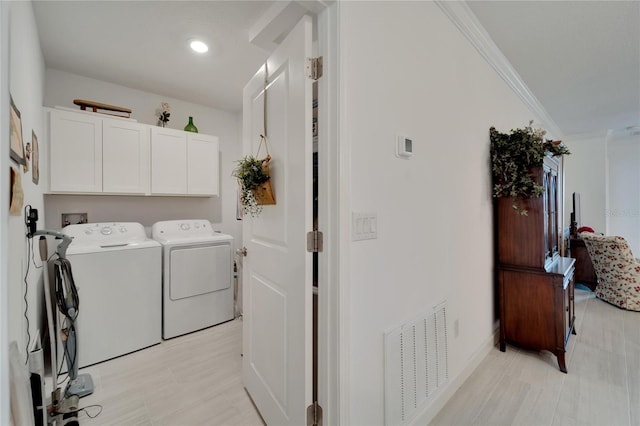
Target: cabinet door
(168, 161)
(125, 157)
(202, 165)
(75, 152)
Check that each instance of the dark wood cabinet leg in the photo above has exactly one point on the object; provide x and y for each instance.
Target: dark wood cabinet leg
(561, 363)
(503, 346)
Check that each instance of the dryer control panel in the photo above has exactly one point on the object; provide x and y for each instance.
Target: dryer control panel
(182, 228)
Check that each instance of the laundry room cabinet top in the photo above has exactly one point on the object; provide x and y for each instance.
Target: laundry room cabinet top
(90, 153)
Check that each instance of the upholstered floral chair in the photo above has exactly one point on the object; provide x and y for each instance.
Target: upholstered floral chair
(617, 271)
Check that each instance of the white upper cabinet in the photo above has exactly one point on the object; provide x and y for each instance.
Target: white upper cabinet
(184, 163)
(168, 161)
(125, 157)
(75, 151)
(203, 160)
(91, 154)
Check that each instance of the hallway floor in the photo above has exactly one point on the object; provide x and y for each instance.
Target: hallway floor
(520, 387)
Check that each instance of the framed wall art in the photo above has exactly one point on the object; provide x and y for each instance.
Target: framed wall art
(17, 148)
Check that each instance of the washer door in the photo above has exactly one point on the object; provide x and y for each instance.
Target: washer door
(198, 270)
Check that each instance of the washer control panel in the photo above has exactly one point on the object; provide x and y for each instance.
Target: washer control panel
(106, 232)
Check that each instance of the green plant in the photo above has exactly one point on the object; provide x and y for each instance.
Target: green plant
(512, 157)
(251, 174)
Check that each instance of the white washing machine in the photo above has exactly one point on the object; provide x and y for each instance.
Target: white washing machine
(117, 270)
(197, 283)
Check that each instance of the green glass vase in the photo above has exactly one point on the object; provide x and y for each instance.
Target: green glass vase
(190, 127)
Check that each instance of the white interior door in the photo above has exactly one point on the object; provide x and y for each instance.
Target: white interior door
(277, 272)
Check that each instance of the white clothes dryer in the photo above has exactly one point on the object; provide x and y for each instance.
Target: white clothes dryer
(117, 270)
(197, 287)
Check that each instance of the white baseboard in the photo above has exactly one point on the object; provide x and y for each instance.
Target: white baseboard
(454, 384)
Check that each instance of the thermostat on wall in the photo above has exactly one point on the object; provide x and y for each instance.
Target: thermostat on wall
(404, 147)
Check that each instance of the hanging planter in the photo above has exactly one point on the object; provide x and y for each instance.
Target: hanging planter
(255, 184)
(513, 156)
(253, 172)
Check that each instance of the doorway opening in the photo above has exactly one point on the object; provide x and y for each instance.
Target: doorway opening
(314, 127)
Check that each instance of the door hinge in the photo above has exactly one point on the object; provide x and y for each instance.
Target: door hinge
(314, 241)
(314, 68)
(314, 414)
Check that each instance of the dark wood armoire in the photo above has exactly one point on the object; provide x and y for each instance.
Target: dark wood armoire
(536, 285)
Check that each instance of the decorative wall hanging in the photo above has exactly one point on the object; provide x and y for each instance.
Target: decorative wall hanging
(101, 108)
(17, 148)
(253, 173)
(16, 194)
(35, 158)
(27, 157)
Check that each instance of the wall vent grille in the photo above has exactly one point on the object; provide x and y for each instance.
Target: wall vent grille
(415, 365)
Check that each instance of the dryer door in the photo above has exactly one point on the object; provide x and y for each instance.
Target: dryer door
(198, 270)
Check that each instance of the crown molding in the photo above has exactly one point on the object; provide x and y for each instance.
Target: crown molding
(461, 15)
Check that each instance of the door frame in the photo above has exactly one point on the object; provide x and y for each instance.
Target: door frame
(334, 218)
(334, 222)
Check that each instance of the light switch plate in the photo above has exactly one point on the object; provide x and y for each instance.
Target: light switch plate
(364, 226)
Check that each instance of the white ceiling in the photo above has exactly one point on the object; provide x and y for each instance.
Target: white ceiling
(581, 59)
(143, 45)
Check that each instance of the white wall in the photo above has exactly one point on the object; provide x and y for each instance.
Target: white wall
(61, 88)
(623, 187)
(405, 68)
(585, 173)
(26, 81)
(4, 219)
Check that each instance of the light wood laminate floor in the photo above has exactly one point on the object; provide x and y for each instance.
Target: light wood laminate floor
(196, 380)
(189, 380)
(519, 387)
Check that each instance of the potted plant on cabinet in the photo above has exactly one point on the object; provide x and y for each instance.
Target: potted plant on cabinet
(513, 156)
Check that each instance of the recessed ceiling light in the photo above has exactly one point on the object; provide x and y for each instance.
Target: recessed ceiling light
(198, 46)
